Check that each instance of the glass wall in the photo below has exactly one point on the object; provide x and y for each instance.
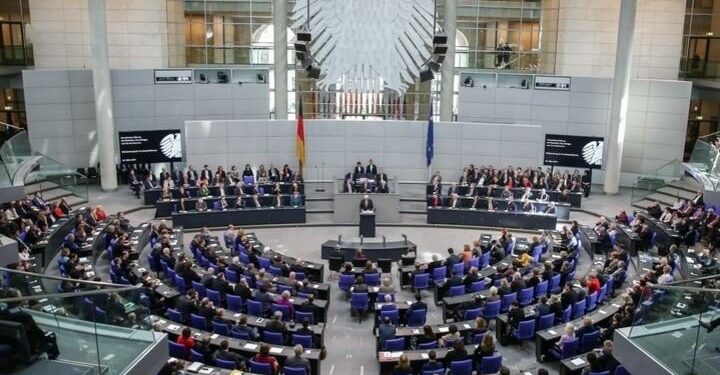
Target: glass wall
(491, 34)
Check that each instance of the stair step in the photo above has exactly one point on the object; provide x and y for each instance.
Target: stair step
(55, 194)
(43, 186)
(662, 198)
(645, 203)
(675, 192)
(686, 184)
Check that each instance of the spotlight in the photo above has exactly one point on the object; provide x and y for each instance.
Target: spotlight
(426, 75)
(260, 78)
(440, 49)
(435, 67)
(303, 36)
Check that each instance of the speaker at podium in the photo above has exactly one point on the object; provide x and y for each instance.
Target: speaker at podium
(367, 217)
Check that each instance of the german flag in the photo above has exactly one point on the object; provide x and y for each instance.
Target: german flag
(300, 137)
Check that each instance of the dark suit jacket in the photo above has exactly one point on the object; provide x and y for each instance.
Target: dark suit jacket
(367, 205)
(371, 169)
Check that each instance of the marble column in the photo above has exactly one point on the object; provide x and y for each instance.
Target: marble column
(280, 53)
(447, 87)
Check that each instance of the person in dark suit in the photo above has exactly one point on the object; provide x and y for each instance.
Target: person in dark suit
(187, 305)
(276, 324)
(192, 176)
(225, 354)
(515, 316)
(360, 286)
(178, 177)
(358, 171)
(148, 183)
(418, 304)
(568, 297)
(206, 174)
(309, 306)
(382, 184)
(208, 278)
(221, 285)
(371, 168)
(366, 204)
(542, 308)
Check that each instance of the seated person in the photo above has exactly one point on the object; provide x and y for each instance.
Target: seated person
(200, 205)
(264, 356)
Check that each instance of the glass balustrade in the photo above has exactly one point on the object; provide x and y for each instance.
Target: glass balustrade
(673, 327)
(651, 182)
(101, 333)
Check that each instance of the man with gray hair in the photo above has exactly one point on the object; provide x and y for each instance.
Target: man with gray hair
(296, 361)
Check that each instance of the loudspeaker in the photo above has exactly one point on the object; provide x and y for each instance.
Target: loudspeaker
(440, 49)
(304, 36)
(426, 75)
(304, 46)
(313, 71)
(435, 67)
(300, 56)
(440, 38)
(438, 59)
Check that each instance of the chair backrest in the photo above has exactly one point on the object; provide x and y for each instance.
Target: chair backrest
(474, 262)
(294, 370)
(234, 303)
(578, 309)
(242, 335)
(461, 367)
(569, 348)
(440, 371)
(484, 260)
(507, 300)
(491, 309)
(459, 269)
(305, 340)
(600, 373)
(232, 276)
(526, 296)
(541, 289)
(359, 301)
(198, 321)
(526, 329)
(394, 315)
(567, 314)
(428, 345)
(471, 314)
(230, 365)
(221, 328)
(416, 318)
(254, 308)
(477, 286)
(421, 281)
(100, 315)
(177, 350)
(284, 309)
(554, 286)
(589, 341)
(345, 282)
(620, 370)
(302, 315)
(439, 273)
(275, 338)
(213, 295)
(546, 321)
(180, 283)
(395, 344)
(592, 301)
(174, 315)
(457, 290)
(197, 356)
(260, 368)
(358, 262)
(372, 279)
(264, 262)
(490, 365)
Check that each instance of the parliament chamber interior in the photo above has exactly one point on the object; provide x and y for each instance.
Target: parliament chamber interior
(333, 187)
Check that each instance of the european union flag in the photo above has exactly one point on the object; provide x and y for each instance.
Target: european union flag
(429, 146)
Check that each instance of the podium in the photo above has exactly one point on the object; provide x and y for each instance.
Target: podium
(367, 224)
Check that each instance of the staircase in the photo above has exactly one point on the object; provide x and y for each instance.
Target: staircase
(668, 193)
(52, 192)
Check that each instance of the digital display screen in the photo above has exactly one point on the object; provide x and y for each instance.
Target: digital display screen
(152, 146)
(574, 151)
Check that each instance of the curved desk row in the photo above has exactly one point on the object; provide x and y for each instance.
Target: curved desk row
(574, 199)
(503, 219)
(49, 244)
(153, 195)
(165, 208)
(562, 210)
(249, 216)
(393, 250)
(245, 347)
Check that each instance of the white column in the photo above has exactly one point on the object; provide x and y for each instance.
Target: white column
(102, 88)
(447, 86)
(619, 98)
(280, 52)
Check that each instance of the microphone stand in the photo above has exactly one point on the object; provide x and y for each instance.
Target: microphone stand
(320, 189)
